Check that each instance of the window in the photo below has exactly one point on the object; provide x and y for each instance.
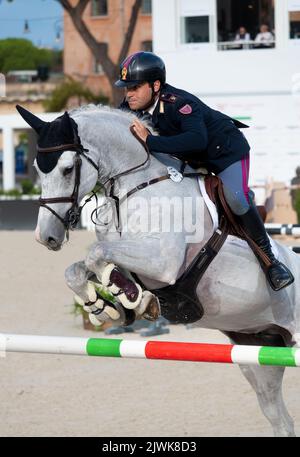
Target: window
(147, 46)
(195, 29)
(196, 20)
(294, 20)
(249, 24)
(99, 8)
(147, 7)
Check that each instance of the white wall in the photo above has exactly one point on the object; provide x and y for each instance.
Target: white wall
(274, 133)
(202, 69)
(261, 85)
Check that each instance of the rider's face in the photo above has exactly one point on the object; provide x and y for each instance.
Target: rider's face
(139, 96)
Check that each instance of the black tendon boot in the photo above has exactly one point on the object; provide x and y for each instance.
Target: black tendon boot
(278, 275)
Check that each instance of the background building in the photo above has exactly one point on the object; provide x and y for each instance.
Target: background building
(108, 22)
(256, 83)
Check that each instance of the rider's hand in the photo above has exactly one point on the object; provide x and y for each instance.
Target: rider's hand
(140, 130)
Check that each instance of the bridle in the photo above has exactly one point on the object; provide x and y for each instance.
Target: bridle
(72, 216)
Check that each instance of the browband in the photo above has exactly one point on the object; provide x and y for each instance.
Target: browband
(62, 147)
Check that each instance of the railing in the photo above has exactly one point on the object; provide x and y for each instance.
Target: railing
(250, 44)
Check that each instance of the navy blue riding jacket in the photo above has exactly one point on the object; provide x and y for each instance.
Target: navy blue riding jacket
(194, 132)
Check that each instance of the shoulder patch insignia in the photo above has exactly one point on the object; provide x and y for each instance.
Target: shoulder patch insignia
(171, 98)
(186, 109)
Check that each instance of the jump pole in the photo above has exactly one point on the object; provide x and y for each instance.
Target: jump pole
(283, 229)
(160, 350)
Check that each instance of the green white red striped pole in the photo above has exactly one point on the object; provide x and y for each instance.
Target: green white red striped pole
(162, 350)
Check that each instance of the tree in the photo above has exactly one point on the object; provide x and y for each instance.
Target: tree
(68, 89)
(98, 49)
(21, 54)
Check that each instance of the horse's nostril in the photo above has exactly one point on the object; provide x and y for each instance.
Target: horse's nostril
(53, 244)
(51, 241)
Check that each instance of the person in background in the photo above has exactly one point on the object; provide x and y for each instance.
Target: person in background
(295, 192)
(264, 39)
(242, 35)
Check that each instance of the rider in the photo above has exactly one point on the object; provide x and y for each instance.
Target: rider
(192, 131)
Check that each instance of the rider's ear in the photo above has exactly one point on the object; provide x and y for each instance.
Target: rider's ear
(156, 86)
(36, 123)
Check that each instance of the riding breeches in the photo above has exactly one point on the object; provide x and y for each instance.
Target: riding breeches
(235, 183)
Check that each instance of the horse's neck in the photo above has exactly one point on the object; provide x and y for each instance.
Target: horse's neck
(151, 170)
(116, 150)
(141, 165)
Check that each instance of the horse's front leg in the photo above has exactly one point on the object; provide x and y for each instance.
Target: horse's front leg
(152, 257)
(141, 256)
(82, 281)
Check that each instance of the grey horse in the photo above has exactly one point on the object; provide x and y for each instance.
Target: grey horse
(157, 242)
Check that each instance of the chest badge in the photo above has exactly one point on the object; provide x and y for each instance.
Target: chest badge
(175, 175)
(186, 109)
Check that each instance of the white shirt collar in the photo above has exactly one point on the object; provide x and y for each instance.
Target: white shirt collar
(152, 108)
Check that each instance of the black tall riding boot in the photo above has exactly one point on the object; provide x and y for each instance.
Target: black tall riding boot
(278, 275)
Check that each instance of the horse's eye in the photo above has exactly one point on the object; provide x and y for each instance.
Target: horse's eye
(67, 171)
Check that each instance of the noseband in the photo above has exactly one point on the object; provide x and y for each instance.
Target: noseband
(72, 216)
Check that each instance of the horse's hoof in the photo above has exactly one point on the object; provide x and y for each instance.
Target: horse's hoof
(152, 309)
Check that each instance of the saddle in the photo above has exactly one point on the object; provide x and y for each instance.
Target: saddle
(179, 302)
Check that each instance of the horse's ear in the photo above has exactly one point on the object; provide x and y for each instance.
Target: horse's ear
(66, 124)
(34, 122)
(66, 121)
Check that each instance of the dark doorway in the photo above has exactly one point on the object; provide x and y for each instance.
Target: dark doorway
(250, 14)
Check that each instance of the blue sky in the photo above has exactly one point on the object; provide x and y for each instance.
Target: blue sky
(44, 19)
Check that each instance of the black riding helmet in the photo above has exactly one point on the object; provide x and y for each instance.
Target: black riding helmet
(141, 67)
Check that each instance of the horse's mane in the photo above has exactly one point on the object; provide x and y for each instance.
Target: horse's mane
(123, 115)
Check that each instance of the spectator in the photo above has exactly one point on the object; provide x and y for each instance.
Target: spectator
(242, 35)
(295, 192)
(265, 38)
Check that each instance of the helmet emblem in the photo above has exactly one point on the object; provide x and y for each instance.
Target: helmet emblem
(124, 73)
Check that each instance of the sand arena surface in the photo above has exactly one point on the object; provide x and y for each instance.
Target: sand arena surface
(51, 395)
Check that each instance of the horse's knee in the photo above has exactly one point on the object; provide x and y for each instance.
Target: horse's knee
(76, 275)
(94, 258)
